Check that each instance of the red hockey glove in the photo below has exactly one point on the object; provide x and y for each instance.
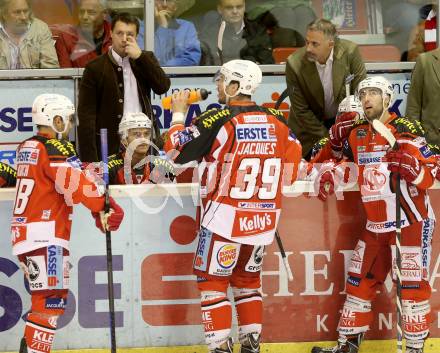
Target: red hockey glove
(109, 221)
(405, 164)
(326, 185)
(341, 129)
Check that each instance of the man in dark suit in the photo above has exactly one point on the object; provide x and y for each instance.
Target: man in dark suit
(315, 76)
(116, 83)
(424, 95)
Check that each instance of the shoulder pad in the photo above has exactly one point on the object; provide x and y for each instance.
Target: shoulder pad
(211, 117)
(405, 125)
(55, 147)
(8, 174)
(434, 148)
(318, 146)
(277, 113)
(163, 163)
(361, 121)
(115, 161)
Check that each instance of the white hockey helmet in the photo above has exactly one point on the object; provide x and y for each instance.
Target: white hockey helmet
(49, 105)
(133, 121)
(379, 82)
(245, 72)
(351, 104)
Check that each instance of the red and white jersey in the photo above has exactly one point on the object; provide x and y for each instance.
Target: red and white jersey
(246, 153)
(49, 182)
(367, 148)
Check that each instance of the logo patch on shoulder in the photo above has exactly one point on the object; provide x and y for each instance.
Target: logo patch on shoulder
(425, 151)
(28, 156)
(74, 161)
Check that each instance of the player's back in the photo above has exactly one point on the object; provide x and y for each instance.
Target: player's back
(243, 182)
(41, 215)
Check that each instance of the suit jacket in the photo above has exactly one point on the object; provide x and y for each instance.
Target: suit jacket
(306, 93)
(101, 100)
(424, 95)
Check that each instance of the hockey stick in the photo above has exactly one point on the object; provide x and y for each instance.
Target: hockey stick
(283, 255)
(281, 98)
(108, 243)
(221, 30)
(386, 133)
(348, 80)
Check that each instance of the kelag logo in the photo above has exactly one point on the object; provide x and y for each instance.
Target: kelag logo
(16, 119)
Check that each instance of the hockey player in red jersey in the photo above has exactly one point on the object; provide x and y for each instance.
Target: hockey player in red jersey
(373, 256)
(328, 150)
(245, 151)
(8, 176)
(49, 183)
(138, 162)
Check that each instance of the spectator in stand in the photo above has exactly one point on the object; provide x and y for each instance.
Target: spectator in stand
(423, 37)
(424, 95)
(77, 45)
(237, 42)
(279, 36)
(25, 41)
(117, 83)
(315, 76)
(175, 40)
(293, 14)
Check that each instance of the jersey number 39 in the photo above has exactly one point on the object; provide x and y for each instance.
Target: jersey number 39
(249, 182)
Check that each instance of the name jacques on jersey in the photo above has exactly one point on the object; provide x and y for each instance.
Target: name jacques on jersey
(256, 148)
(254, 138)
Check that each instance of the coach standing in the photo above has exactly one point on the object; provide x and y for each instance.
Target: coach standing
(316, 75)
(116, 83)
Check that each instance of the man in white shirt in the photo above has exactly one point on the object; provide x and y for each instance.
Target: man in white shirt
(117, 83)
(315, 76)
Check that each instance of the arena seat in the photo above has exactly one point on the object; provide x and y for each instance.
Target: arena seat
(281, 54)
(379, 53)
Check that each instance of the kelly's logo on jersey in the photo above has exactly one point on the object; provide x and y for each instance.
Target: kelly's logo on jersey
(256, 223)
(256, 132)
